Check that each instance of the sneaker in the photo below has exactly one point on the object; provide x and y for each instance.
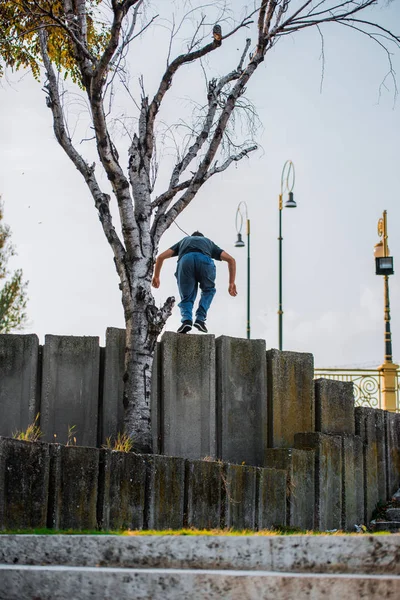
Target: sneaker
(185, 327)
(201, 326)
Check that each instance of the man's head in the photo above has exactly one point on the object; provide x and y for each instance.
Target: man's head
(197, 234)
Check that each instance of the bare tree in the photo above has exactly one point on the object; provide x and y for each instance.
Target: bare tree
(97, 56)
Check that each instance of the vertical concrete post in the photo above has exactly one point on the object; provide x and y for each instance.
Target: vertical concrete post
(241, 496)
(352, 482)
(165, 491)
(121, 497)
(73, 484)
(70, 389)
(242, 431)
(272, 499)
(112, 409)
(204, 494)
(393, 452)
(369, 428)
(300, 483)
(291, 403)
(112, 413)
(188, 395)
(24, 484)
(19, 398)
(334, 406)
(328, 477)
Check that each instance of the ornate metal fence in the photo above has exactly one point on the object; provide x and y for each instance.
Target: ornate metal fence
(367, 384)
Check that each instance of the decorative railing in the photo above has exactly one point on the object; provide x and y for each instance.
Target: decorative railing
(367, 384)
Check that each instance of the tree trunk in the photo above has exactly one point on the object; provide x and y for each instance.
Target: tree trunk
(139, 353)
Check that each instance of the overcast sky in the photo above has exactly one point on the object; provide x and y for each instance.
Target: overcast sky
(344, 142)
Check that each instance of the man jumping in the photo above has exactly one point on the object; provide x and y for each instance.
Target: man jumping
(196, 268)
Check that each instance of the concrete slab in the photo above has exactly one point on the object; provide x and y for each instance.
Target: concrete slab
(121, 496)
(393, 452)
(112, 410)
(300, 483)
(70, 389)
(242, 432)
(204, 491)
(370, 427)
(352, 482)
(19, 397)
(24, 484)
(291, 401)
(164, 492)
(328, 477)
(271, 511)
(188, 395)
(240, 496)
(23, 583)
(73, 482)
(334, 406)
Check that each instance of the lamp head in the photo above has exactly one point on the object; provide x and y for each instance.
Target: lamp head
(290, 203)
(239, 242)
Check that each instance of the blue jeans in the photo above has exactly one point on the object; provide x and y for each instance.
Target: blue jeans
(195, 269)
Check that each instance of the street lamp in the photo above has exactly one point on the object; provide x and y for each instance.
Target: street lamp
(241, 214)
(287, 185)
(384, 266)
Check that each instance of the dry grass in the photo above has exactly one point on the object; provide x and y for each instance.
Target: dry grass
(122, 443)
(32, 433)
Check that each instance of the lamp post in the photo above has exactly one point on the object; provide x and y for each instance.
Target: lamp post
(384, 266)
(241, 214)
(287, 185)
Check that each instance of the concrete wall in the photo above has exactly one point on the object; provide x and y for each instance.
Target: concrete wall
(224, 400)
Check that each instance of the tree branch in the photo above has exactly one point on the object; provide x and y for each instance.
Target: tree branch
(101, 200)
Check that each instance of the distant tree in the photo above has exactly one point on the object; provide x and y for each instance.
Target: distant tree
(93, 42)
(13, 296)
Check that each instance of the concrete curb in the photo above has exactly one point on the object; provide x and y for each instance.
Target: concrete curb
(23, 583)
(312, 554)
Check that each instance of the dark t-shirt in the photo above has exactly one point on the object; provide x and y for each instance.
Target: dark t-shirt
(196, 243)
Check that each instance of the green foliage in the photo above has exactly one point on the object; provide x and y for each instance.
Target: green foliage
(22, 20)
(13, 297)
(32, 433)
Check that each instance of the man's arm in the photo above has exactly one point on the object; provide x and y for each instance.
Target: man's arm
(159, 263)
(232, 272)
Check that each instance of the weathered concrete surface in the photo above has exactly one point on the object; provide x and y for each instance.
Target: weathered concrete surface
(300, 483)
(370, 427)
(121, 496)
(352, 482)
(188, 395)
(242, 433)
(112, 411)
(205, 484)
(334, 406)
(300, 553)
(23, 583)
(240, 496)
(19, 401)
(328, 477)
(271, 499)
(393, 514)
(24, 484)
(291, 402)
(165, 492)
(393, 452)
(73, 484)
(70, 389)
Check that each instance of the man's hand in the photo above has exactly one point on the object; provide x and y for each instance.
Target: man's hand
(232, 289)
(155, 282)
